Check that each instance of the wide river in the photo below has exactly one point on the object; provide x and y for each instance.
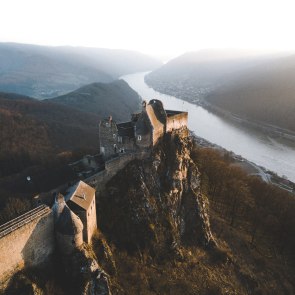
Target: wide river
(253, 145)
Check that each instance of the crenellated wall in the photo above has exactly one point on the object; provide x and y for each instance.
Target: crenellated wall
(26, 241)
(177, 121)
(112, 167)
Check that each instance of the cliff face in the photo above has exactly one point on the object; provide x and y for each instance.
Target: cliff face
(154, 210)
(156, 204)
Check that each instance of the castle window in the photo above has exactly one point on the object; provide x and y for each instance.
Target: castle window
(139, 137)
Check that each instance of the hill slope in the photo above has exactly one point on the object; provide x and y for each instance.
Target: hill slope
(182, 221)
(32, 132)
(116, 99)
(194, 74)
(44, 72)
(264, 93)
(252, 86)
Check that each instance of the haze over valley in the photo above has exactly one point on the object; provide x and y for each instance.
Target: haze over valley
(147, 147)
(47, 71)
(252, 85)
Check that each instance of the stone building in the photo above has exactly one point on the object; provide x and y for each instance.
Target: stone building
(80, 198)
(68, 227)
(108, 136)
(75, 217)
(142, 132)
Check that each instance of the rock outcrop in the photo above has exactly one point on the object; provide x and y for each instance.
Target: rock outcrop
(156, 204)
(84, 272)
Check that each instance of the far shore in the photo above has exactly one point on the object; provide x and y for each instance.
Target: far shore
(288, 136)
(273, 130)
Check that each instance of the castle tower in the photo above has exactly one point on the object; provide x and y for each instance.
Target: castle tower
(69, 230)
(108, 134)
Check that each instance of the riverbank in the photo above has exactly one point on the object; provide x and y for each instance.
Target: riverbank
(269, 129)
(249, 167)
(272, 152)
(198, 97)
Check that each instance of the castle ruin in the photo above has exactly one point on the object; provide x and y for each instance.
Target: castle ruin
(142, 132)
(31, 238)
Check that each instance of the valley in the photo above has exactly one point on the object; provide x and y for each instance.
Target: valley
(266, 150)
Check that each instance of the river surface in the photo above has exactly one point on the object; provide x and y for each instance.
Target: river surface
(253, 145)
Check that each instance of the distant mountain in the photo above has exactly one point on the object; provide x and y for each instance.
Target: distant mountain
(254, 86)
(193, 75)
(44, 72)
(115, 98)
(263, 93)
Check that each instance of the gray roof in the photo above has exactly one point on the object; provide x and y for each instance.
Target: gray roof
(81, 194)
(68, 222)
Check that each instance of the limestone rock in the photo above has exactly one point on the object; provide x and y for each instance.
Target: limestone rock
(84, 271)
(157, 204)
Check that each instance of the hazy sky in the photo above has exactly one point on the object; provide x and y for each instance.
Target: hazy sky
(157, 27)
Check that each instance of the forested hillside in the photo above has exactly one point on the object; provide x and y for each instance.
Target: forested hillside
(33, 132)
(264, 93)
(116, 99)
(38, 138)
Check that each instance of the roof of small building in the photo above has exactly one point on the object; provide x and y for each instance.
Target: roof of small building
(68, 222)
(81, 194)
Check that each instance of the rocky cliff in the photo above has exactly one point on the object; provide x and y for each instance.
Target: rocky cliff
(156, 204)
(151, 213)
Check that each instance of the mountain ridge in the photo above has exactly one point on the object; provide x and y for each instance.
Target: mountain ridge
(44, 71)
(95, 98)
(254, 87)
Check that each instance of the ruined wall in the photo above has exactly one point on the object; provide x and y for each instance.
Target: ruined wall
(29, 245)
(108, 134)
(112, 167)
(91, 221)
(158, 127)
(128, 144)
(143, 134)
(177, 121)
(68, 243)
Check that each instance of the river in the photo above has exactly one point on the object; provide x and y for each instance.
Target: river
(253, 145)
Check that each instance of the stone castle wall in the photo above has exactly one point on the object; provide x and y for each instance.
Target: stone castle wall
(29, 243)
(108, 133)
(112, 167)
(29, 240)
(91, 221)
(176, 122)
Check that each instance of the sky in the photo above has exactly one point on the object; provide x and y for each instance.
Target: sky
(156, 27)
